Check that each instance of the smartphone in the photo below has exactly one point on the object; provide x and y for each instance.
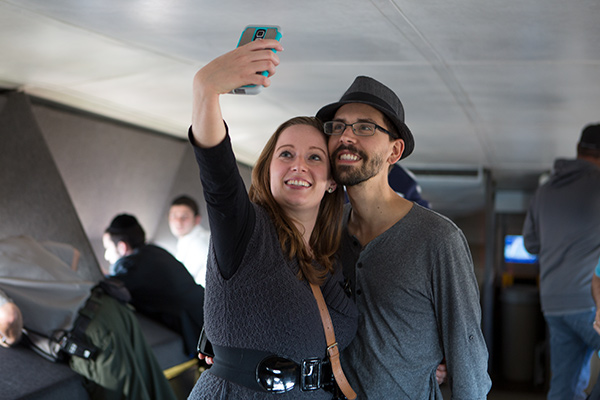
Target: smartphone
(250, 34)
(204, 345)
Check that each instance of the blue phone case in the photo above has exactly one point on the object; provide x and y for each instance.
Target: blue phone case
(249, 34)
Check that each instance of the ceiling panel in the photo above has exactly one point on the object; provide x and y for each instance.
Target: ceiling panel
(501, 85)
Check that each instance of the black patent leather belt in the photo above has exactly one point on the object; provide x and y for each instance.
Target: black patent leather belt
(264, 371)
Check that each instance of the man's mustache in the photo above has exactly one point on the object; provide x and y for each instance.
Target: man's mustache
(350, 148)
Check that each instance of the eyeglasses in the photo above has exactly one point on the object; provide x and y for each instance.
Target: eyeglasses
(336, 128)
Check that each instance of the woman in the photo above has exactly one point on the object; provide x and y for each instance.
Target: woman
(260, 314)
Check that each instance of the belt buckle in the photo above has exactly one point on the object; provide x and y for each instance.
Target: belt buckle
(310, 374)
(277, 374)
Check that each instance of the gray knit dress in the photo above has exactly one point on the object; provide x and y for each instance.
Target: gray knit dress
(263, 306)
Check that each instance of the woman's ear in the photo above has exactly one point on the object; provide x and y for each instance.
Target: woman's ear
(332, 187)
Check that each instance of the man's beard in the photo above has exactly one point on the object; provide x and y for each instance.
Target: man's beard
(348, 175)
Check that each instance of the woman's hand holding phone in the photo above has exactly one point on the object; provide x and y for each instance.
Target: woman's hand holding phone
(258, 33)
(239, 67)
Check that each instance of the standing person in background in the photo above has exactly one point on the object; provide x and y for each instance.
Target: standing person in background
(595, 392)
(192, 238)
(410, 269)
(563, 227)
(160, 286)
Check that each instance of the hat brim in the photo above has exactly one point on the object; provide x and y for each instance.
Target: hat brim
(327, 113)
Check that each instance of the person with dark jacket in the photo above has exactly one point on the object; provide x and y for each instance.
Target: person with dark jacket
(160, 286)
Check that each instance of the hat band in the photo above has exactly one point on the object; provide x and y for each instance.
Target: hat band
(591, 146)
(362, 97)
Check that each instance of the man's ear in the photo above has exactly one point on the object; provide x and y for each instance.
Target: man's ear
(397, 151)
(123, 248)
(197, 219)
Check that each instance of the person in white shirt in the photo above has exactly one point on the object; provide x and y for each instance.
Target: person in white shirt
(192, 239)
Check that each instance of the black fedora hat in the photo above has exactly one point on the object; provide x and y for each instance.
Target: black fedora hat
(369, 91)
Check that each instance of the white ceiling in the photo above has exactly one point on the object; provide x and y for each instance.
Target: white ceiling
(504, 85)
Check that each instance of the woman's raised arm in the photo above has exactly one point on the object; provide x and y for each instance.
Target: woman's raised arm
(236, 68)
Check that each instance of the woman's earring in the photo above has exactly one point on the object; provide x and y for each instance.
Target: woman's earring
(330, 190)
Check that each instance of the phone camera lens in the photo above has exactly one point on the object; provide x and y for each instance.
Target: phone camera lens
(260, 33)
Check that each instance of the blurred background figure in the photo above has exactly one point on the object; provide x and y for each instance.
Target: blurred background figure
(563, 227)
(160, 286)
(192, 238)
(405, 184)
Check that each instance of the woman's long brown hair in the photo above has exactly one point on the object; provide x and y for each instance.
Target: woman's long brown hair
(325, 238)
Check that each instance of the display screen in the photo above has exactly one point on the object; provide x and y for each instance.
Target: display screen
(514, 251)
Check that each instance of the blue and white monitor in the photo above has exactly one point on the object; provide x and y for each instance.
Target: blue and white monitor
(514, 251)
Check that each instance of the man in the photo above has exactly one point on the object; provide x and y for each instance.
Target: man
(68, 317)
(192, 239)
(410, 269)
(563, 227)
(160, 286)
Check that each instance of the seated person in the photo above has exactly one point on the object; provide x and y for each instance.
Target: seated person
(192, 238)
(43, 294)
(11, 322)
(160, 286)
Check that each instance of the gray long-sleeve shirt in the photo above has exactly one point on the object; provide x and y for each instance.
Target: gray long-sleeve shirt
(418, 299)
(563, 227)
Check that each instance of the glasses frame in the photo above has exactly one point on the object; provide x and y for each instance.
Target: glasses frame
(354, 130)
